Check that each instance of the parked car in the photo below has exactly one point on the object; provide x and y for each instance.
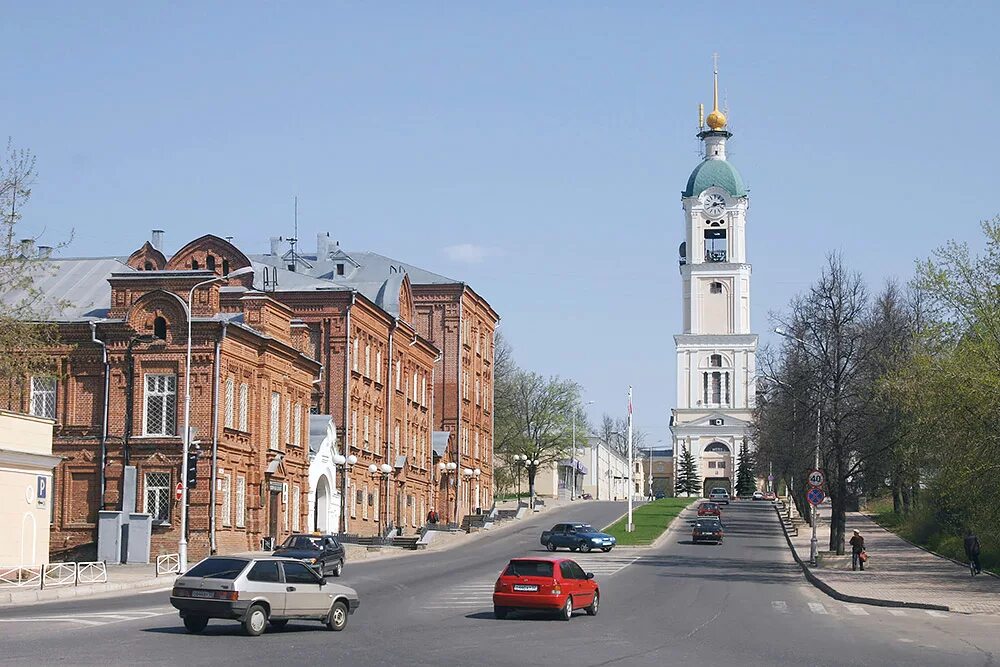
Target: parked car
(324, 553)
(707, 530)
(586, 496)
(660, 496)
(545, 584)
(259, 591)
(758, 495)
(770, 495)
(709, 509)
(576, 536)
(720, 495)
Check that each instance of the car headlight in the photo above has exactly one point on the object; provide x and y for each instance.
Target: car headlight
(596, 539)
(311, 561)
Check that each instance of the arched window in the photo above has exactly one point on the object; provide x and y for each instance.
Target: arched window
(715, 361)
(194, 264)
(715, 288)
(717, 448)
(225, 266)
(210, 262)
(160, 328)
(149, 266)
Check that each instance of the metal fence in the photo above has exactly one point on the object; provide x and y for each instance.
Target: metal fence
(168, 564)
(50, 575)
(58, 574)
(20, 576)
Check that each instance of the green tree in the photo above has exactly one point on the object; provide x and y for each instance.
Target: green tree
(746, 483)
(688, 481)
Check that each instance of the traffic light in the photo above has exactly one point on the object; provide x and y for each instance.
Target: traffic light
(192, 470)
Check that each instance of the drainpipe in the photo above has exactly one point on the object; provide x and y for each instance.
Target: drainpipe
(388, 416)
(215, 439)
(347, 414)
(104, 411)
(458, 426)
(435, 480)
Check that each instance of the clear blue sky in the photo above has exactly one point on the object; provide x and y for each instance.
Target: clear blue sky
(534, 150)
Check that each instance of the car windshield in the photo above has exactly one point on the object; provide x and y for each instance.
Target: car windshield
(585, 528)
(708, 506)
(218, 568)
(529, 568)
(302, 542)
(708, 525)
(720, 491)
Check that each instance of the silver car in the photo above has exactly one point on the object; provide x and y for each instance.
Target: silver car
(258, 591)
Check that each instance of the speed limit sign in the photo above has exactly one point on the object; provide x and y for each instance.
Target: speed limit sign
(816, 478)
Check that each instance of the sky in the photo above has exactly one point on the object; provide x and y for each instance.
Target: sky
(533, 150)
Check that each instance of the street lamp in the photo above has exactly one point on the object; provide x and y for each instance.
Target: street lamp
(813, 544)
(520, 460)
(572, 460)
(381, 473)
(183, 546)
(344, 463)
(532, 466)
(447, 469)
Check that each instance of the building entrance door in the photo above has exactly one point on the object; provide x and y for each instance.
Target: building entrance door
(274, 507)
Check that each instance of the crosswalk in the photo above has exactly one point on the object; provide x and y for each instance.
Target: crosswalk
(478, 594)
(832, 608)
(93, 619)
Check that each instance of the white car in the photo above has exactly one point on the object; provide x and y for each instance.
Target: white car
(719, 495)
(758, 495)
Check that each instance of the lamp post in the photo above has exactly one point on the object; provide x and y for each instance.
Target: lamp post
(572, 460)
(532, 466)
(447, 469)
(344, 463)
(813, 544)
(183, 545)
(519, 461)
(381, 474)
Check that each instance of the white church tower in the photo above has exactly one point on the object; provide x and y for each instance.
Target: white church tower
(716, 353)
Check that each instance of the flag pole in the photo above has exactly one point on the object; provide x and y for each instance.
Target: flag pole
(631, 472)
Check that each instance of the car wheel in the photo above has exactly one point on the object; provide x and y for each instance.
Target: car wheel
(337, 620)
(550, 546)
(585, 547)
(195, 624)
(500, 612)
(278, 623)
(605, 549)
(567, 610)
(592, 609)
(255, 622)
(339, 569)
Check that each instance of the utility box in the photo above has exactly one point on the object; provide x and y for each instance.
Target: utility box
(109, 533)
(140, 532)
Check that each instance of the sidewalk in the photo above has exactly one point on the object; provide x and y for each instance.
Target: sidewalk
(898, 574)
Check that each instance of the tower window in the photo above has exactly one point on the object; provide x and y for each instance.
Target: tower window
(715, 288)
(715, 361)
(194, 264)
(340, 269)
(160, 328)
(149, 266)
(210, 262)
(225, 266)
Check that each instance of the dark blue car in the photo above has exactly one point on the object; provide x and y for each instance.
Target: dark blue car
(576, 537)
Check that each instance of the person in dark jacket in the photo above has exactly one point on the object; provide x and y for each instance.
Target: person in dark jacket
(972, 548)
(857, 548)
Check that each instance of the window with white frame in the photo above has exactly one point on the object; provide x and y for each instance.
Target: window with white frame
(378, 433)
(288, 419)
(161, 400)
(477, 391)
(399, 374)
(367, 423)
(414, 387)
(227, 499)
(354, 428)
(355, 354)
(368, 360)
(476, 443)
(244, 408)
(241, 502)
(395, 438)
(378, 366)
(275, 418)
(375, 504)
(367, 501)
(157, 496)
(298, 424)
(423, 391)
(465, 385)
(230, 402)
(296, 499)
(354, 505)
(43, 397)
(284, 502)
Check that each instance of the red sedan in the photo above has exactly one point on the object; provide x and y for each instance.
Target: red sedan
(709, 509)
(545, 584)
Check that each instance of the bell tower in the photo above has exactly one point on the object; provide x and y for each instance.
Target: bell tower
(716, 351)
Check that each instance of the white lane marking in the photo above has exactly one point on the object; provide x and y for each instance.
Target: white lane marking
(897, 612)
(856, 610)
(100, 618)
(46, 619)
(936, 614)
(780, 606)
(817, 608)
(904, 639)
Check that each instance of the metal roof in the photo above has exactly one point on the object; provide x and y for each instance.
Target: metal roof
(79, 284)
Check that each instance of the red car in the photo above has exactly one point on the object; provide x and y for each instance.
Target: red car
(769, 495)
(709, 509)
(545, 584)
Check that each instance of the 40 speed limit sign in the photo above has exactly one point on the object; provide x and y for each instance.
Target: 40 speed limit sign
(816, 478)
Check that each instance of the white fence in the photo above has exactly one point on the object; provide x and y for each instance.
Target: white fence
(167, 564)
(53, 574)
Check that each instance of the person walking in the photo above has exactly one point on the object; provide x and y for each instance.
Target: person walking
(857, 549)
(972, 548)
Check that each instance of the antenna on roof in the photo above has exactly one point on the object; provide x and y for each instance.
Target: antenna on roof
(293, 264)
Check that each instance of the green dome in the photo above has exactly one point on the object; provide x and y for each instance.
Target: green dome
(717, 173)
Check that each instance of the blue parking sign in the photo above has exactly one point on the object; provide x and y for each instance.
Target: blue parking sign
(43, 488)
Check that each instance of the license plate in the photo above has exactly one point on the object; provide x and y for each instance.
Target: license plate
(202, 594)
(525, 587)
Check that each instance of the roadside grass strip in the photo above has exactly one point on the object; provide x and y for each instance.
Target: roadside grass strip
(649, 521)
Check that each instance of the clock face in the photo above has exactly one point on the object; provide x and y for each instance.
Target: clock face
(715, 205)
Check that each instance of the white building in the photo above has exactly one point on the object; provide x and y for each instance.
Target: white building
(324, 477)
(607, 470)
(716, 353)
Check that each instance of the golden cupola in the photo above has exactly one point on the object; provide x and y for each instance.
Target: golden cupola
(716, 120)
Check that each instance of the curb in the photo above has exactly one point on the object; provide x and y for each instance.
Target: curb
(843, 597)
(663, 536)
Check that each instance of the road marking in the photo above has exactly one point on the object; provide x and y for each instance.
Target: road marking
(99, 618)
(936, 614)
(817, 608)
(904, 639)
(897, 612)
(856, 610)
(780, 606)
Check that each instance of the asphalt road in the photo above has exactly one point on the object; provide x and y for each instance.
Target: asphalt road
(740, 603)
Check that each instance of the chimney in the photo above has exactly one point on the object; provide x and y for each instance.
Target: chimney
(322, 245)
(44, 251)
(27, 247)
(275, 245)
(157, 239)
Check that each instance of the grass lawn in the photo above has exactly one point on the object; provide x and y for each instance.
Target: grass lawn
(649, 521)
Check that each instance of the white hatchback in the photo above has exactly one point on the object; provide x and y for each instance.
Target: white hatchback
(719, 495)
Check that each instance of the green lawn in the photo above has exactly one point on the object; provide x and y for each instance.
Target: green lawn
(649, 521)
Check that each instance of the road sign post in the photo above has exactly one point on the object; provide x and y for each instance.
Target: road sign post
(816, 478)
(815, 496)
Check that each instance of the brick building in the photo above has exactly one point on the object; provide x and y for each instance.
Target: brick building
(116, 394)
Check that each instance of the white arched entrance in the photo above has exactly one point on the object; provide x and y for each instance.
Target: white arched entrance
(324, 492)
(322, 504)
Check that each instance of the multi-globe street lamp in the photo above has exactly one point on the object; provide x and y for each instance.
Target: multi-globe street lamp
(520, 460)
(381, 473)
(471, 474)
(532, 466)
(447, 469)
(344, 463)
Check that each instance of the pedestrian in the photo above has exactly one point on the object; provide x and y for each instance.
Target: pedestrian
(972, 548)
(858, 555)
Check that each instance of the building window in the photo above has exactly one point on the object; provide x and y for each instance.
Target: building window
(354, 505)
(465, 385)
(367, 422)
(244, 399)
(43, 397)
(241, 502)
(194, 264)
(227, 500)
(715, 288)
(378, 432)
(284, 501)
(715, 361)
(414, 387)
(210, 262)
(340, 269)
(275, 418)
(354, 428)
(398, 374)
(477, 391)
(296, 493)
(298, 424)
(366, 500)
(230, 402)
(722, 464)
(395, 438)
(161, 398)
(288, 420)
(355, 354)
(711, 464)
(378, 366)
(368, 360)
(160, 328)
(157, 496)
(423, 390)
